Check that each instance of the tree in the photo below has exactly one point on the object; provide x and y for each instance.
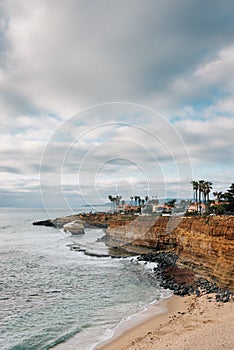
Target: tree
(136, 198)
(218, 195)
(207, 186)
(195, 190)
(111, 199)
(171, 203)
(200, 190)
(117, 200)
(229, 196)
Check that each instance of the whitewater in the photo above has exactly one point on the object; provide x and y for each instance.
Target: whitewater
(50, 294)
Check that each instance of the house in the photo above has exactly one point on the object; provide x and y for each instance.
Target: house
(126, 208)
(154, 208)
(197, 207)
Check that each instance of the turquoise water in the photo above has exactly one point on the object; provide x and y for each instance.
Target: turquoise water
(49, 293)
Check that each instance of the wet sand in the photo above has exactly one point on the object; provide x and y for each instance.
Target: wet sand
(190, 323)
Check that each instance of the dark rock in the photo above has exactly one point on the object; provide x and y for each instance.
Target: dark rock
(226, 299)
(182, 281)
(47, 222)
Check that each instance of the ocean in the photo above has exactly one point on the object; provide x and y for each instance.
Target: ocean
(50, 294)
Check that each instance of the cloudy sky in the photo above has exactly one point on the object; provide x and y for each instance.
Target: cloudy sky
(114, 97)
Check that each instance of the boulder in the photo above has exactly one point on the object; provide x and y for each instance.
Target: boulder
(75, 227)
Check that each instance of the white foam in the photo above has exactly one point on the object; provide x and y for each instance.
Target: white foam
(155, 308)
(150, 266)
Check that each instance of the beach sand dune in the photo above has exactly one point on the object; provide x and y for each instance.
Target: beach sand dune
(190, 323)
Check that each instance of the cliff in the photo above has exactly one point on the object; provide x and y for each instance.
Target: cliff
(204, 244)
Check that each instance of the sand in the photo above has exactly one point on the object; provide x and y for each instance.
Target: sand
(190, 323)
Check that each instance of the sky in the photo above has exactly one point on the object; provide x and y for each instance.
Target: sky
(114, 97)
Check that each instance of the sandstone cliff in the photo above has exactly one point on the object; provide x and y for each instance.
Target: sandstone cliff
(205, 244)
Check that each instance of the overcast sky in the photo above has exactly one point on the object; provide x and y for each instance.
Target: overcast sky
(169, 64)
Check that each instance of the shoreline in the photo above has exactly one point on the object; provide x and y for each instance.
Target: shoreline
(206, 302)
(189, 323)
(140, 324)
(154, 310)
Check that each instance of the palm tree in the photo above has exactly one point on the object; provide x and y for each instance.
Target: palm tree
(135, 197)
(146, 198)
(218, 195)
(200, 192)
(195, 190)
(117, 200)
(206, 190)
(111, 199)
(131, 199)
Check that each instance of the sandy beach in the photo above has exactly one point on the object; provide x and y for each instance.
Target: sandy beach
(190, 323)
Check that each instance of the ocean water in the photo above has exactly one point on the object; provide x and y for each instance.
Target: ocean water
(49, 293)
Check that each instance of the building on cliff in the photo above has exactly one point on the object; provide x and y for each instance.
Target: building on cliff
(193, 207)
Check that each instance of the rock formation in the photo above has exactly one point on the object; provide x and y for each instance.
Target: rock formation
(75, 227)
(204, 244)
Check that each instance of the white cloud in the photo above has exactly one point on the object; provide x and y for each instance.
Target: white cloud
(219, 70)
(209, 142)
(58, 57)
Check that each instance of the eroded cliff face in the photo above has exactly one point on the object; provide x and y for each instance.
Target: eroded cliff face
(205, 244)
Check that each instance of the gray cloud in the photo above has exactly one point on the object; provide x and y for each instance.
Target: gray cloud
(9, 169)
(14, 100)
(59, 56)
(85, 53)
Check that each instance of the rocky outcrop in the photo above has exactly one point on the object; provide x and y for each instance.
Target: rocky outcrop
(47, 222)
(75, 227)
(69, 223)
(62, 221)
(204, 244)
(100, 220)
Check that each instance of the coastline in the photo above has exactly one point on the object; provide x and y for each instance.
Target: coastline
(141, 324)
(203, 317)
(189, 323)
(153, 310)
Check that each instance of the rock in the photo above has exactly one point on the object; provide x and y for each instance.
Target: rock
(47, 222)
(75, 227)
(226, 299)
(204, 245)
(60, 222)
